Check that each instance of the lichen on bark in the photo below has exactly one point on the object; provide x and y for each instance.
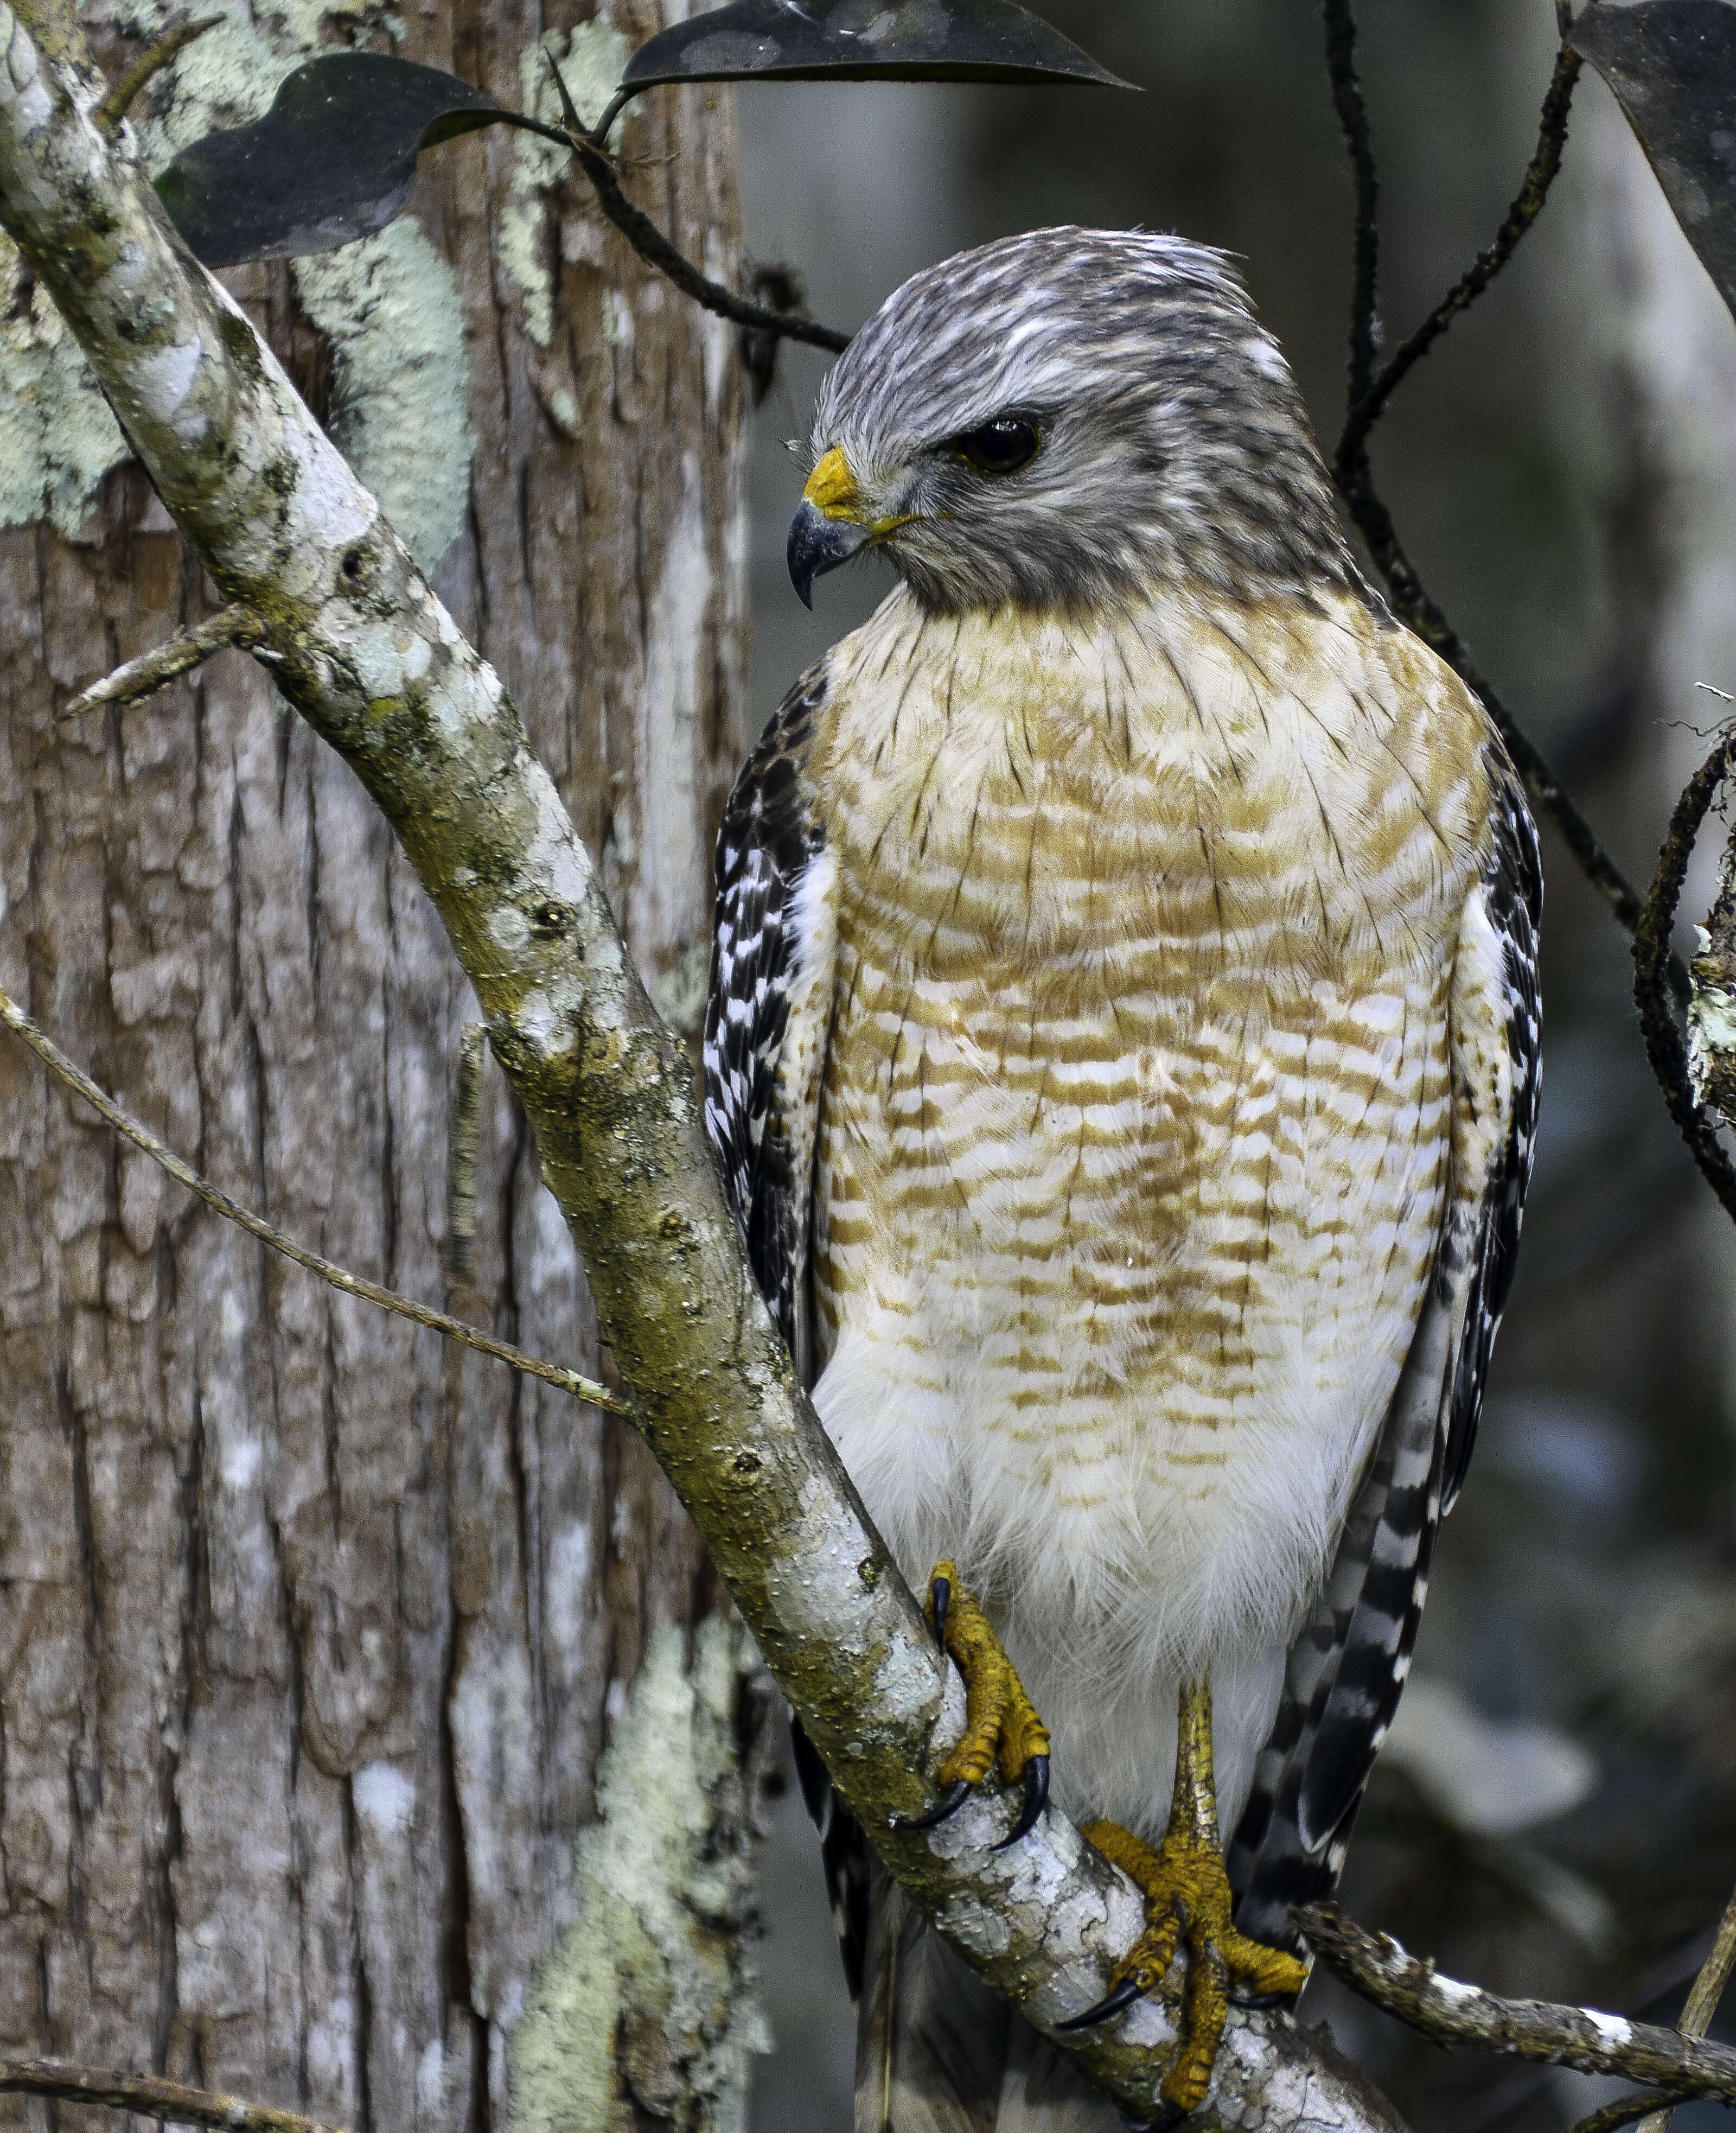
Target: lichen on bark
(648, 1999)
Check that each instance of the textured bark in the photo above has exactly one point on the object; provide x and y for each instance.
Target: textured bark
(311, 1631)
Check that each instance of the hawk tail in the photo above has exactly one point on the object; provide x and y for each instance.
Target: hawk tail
(936, 2052)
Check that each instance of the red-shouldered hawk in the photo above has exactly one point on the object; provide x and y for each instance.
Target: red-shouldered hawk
(1122, 1052)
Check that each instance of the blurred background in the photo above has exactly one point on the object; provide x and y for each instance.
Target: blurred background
(1555, 1814)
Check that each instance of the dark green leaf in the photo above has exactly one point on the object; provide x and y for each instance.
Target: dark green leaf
(333, 160)
(865, 41)
(1672, 63)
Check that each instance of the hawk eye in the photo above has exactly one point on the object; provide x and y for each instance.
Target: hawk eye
(1001, 446)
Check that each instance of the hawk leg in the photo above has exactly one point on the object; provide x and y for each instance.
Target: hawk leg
(1001, 1729)
(1188, 1902)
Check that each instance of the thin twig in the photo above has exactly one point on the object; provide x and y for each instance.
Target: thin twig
(1458, 2015)
(141, 1137)
(1707, 1989)
(1625, 2110)
(1664, 1047)
(118, 102)
(656, 250)
(1353, 116)
(150, 2096)
(1355, 477)
(1527, 204)
(155, 670)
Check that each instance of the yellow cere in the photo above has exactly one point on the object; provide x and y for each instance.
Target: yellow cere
(832, 488)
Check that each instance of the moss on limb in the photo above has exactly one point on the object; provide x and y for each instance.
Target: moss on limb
(374, 663)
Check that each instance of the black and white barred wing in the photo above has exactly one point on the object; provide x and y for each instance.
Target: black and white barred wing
(768, 1010)
(1347, 1668)
(768, 1022)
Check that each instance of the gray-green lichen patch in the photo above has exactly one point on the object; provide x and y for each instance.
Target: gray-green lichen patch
(591, 59)
(389, 305)
(400, 413)
(650, 1994)
(57, 436)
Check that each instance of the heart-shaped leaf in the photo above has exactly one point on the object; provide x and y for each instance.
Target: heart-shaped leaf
(333, 160)
(1672, 65)
(865, 41)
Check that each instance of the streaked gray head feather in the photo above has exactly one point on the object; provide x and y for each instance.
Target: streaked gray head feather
(1175, 450)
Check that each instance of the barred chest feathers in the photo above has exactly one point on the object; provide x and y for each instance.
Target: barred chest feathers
(1131, 1146)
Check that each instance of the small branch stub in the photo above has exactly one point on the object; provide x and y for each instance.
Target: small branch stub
(237, 625)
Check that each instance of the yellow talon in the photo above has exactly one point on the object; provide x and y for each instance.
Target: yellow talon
(1188, 1904)
(1001, 1729)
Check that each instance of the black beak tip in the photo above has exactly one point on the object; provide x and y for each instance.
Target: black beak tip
(818, 544)
(802, 554)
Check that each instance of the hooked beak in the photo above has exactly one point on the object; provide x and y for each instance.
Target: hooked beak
(831, 526)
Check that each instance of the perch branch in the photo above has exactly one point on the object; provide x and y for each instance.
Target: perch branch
(1454, 2014)
(149, 2096)
(352, 1284)
(1707, 1989)
(1664, 1047)
(379, 670)
(155, 670)
(1355, 477)
(658, 251)
(119, 101)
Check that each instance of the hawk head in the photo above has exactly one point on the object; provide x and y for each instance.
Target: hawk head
(1064, 419)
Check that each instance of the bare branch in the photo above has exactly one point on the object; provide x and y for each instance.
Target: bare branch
(352, 1284)
(119, 100)
(1704, 1995)
(155, 670)
(1664, 1047)
(1353, 116)
(656, 250)
(1465, 2017)
(1527, 205)
(381, 671)
(1355, 477)
(150, 2097)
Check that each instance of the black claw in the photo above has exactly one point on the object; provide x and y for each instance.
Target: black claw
(951, 1800)
(1036, 1798)
(939, 1596)
(1124, 1994)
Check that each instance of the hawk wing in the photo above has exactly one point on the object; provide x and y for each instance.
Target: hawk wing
(768, 1008)
(767, 1023)
(1346, 1668)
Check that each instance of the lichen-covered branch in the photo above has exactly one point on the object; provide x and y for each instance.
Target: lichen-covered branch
(1711, 1060)
(377, 666)
(1449, 2012)
(1665, 1046)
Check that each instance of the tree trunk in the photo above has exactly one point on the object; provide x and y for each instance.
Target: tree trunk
(313, 1630)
